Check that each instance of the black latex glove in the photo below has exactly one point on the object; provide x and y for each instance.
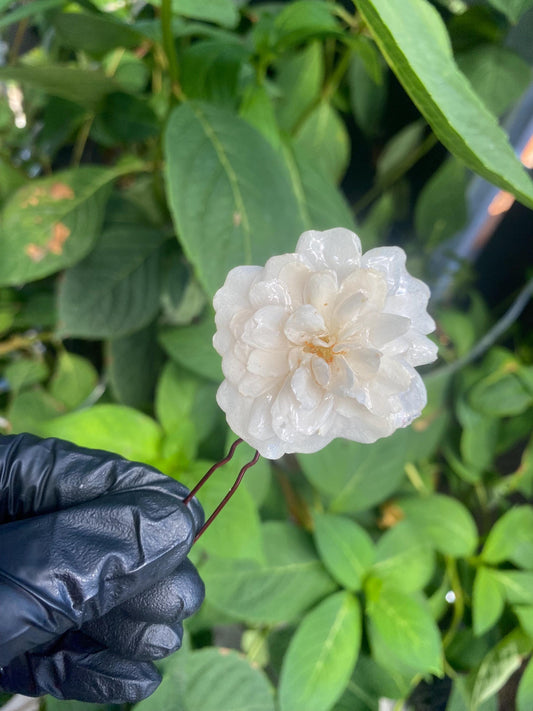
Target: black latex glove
(94, 581)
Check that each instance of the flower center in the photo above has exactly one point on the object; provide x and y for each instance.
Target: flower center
(324, 352)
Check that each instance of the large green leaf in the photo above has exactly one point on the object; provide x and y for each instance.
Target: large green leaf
(96, 34)
(289, 582)
(357, 476)
(444, 521)
(227, 211)
(300, 79)
(404, 559)
(114, 428)
(211, 679)
(345, 548)
(51, 223)
(414, 41)
(82, 86)
(511, 538)
(321, 655)
(403, 634)
(115, 290)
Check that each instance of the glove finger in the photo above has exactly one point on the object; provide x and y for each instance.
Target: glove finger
(80, 562)
(79, 668)
(148, 626)
(42, 475)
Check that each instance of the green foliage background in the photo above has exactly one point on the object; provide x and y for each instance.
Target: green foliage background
(147, 148)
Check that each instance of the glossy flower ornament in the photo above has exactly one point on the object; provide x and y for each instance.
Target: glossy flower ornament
(322, 343)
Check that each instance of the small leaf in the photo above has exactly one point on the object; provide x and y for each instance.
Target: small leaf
(451, 107)
(502, 393)
(511, 538)
(304, 19)
(29, 410)
(517, 585)
(115, 290)
(243, 216)
(73, 381)
(345, 548)
(368, 89)
(23, 373)
(525, 617)
(397, 150)
(82, 86)
(404, 559)
(192, 347)
(403, 634)
(114, 428)
(487, 601)
(323, 135)
(220, 12)
(128, 119)
(524, 697)
(51, 223)
(321, 655)
(512, 8)
(133, 366)
(95, 34)
(300, 79)
(446, 522)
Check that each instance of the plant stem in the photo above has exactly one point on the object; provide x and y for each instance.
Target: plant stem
(21, 343)
(170, 47)
(499, 328)
(459, 603)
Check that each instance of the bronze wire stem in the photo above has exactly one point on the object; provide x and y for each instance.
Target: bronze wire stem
(230, 493)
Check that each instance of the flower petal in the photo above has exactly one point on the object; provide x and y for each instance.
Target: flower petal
(305, 388)
(265, 328)
(268, 364)
(304, 324)
(338, 249)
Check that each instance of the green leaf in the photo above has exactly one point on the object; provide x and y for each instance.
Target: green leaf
(498, 666)
(115, 290)
(525, 617)
(221, 12)
(133, 366)
(73, 381)
(23, 373)
(511, 538)
(403, 634)
(53, 222)
(304, 19)
(23, 12)
(128, 119)
(299, 78)
(243, 215)
(52, 704)
(502, 393)
(517, 585)
(460, 697)
(114, 428)
(321, 204)
(370, 683)
(29, 410)
(404, 560)
(11, 179)
(321, 655)
(323, 135)
(211, 679)
(487, 600)
(82, 86)
(498, 75)
(357, 476)
(345, 548)
(368, 89)
(524, 697)
(512, 8)
(95, 34)
(258, 110)
(397, 150)
(290, 581)
(478, 438)
(444, 521)
(211, 69)
(451, 107)
(441, 208)
(192, 347)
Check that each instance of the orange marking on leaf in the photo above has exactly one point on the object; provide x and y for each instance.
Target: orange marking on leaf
(35, 252)
(61, 191)
(60, 234)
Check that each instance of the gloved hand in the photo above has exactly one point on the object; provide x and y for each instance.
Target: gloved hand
(94, 581)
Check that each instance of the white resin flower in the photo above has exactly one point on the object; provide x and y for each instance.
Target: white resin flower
(322, 343)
